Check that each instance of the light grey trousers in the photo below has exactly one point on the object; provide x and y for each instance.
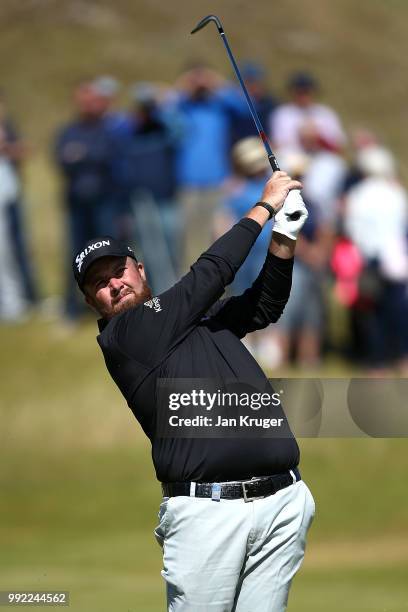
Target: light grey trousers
(232, 555)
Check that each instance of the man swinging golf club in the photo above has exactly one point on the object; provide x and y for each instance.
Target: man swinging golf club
(230, 555)
(235, 511)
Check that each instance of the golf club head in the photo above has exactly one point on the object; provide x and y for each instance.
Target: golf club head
(207, 20)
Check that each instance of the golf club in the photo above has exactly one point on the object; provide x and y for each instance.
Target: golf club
(271, 157)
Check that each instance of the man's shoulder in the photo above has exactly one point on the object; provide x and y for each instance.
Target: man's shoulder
(108, 330)
(120, 326)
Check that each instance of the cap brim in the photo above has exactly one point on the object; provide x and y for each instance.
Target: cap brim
(85, 270)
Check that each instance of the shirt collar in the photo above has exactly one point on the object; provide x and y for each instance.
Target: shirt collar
(102, 323)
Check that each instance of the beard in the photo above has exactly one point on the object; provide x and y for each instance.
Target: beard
(129, 300)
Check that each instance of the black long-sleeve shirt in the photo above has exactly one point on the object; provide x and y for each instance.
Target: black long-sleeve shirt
(188, 332)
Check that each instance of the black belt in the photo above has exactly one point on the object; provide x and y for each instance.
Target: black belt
(256, 488)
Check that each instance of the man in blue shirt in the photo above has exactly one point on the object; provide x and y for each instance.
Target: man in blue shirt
(203, 161)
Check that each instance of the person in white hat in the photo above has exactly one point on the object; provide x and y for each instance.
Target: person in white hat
(376, 221)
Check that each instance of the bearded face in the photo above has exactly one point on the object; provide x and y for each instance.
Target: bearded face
(115, 284)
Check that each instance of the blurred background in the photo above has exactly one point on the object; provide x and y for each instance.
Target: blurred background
(114, 120)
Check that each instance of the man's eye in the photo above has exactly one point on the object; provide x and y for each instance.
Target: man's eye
(100, 284)
(120, 271)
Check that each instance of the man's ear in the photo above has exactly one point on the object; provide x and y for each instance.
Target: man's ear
(141, 269)
(90, 302)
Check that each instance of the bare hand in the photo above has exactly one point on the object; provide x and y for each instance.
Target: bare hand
(277, 188)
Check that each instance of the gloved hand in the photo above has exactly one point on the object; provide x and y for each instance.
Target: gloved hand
(292, 216)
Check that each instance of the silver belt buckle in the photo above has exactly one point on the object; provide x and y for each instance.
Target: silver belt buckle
(247, 498)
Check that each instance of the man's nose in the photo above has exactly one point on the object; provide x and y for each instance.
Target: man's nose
(115, 285)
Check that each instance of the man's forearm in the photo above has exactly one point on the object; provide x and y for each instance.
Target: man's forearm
(258, 214)
(282, 246)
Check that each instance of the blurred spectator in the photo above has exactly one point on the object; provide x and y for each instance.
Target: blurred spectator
(325, 174)
(85, 152)
(286, 121)
(251, 169)
(16, 150)
(205, 105)
(302, 326)
(376, 221)
(347, 264)
(12, 302)
(150, 157)
(361, 139)
(243, 125)
(106, 89)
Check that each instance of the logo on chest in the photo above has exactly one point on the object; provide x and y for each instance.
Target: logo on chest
(154, 303)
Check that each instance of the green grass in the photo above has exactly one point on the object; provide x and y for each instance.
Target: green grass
(83, 522)
(359, 590)
(79, 498)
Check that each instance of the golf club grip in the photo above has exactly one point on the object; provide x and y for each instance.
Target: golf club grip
(274, 164)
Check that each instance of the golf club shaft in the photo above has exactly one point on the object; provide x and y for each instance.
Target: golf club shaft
(271, 157)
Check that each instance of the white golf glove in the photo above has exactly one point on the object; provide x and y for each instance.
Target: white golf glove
(292, 216)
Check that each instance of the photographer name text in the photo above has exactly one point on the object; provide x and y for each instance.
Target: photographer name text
(242, 421)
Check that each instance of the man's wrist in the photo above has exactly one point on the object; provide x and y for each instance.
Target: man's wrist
(268, 207)
(282, 246)
(259, 214)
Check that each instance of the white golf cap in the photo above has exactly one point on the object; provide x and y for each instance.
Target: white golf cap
(249, 156)
(377, 161)
(106, 86)
(293, 161)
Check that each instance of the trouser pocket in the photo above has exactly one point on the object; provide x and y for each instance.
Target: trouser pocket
(160, 530)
